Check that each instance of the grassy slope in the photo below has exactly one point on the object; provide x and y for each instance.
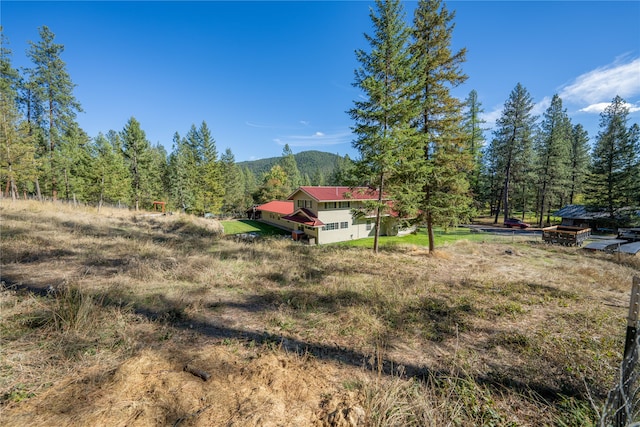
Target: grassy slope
(500, 331)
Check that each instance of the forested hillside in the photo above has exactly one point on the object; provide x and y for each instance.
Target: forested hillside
(310, 163)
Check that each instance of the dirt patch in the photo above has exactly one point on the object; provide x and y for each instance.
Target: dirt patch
(246, 387)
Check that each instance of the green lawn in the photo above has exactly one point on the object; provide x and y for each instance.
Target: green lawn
(442, 237)
(248, 226)
(420, 239)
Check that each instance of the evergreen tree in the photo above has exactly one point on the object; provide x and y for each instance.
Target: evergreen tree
(156, 188)
(210, 172)
(73, 160)
(343, 173)
(51, 89)
(109, 181)
(553, 150)
(579, 161)
(382, 117)
(475, 139)
(180, 187)
(16, 153)
(511, 145)
(137, 152)
(614, 175)
(446, 161)
(290, 167)
(233, 203)
(250, 186)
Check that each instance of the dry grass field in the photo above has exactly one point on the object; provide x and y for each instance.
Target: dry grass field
(114, 318)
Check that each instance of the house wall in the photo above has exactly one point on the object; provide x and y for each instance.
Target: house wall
(274, 219)
(345, 227)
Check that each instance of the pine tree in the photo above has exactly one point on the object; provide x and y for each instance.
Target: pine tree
(614, 175)
(579, 161)
(156, 188)
(475, 139)
(343, 172)
(51, 89)
(250, 186)
(446, 162)
(382, 117)
(210, 172)
(110, 181)
(180, 186)
(288, 163)
(513, 139)
(17, 152)
(137, 152)
(233, 203)
(553, 149)
(73, 160)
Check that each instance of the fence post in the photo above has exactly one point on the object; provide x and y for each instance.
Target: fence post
(630, 354)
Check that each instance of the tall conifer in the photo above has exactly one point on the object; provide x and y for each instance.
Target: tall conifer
(579, 161)
(51, 89)
(511, 145)
(446, 161)
(553, 148)
(613, 181)
(382, 116)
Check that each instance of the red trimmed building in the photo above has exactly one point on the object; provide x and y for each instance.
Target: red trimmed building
(326, 214)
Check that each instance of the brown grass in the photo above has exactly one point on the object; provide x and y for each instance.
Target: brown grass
(101, 312)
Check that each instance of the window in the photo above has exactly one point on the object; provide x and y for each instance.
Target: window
(330, 226)
(302, 203)
(330, 205)
(368, 225)
(344, 205)
(344, 224)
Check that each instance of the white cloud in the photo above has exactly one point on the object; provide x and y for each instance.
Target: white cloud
(600, 106)
(317, 139)
(540, 107)
(622, 78)
(304, 122)
(491, 117)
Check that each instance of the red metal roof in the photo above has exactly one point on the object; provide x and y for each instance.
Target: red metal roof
(304, 216)
(332, 194)
(277, 206)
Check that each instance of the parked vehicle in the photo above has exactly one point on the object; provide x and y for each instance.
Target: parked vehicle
(565, 235)
(514, 222)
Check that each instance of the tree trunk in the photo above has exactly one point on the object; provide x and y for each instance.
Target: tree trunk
(498, 207)
(38, 192)
(378, 215)
(432, 244)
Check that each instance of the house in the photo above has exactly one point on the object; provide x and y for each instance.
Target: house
(272, 213)
(326, 214)
(580, 216)
(597, 219)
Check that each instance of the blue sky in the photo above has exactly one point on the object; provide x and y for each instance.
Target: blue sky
(264, 74)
